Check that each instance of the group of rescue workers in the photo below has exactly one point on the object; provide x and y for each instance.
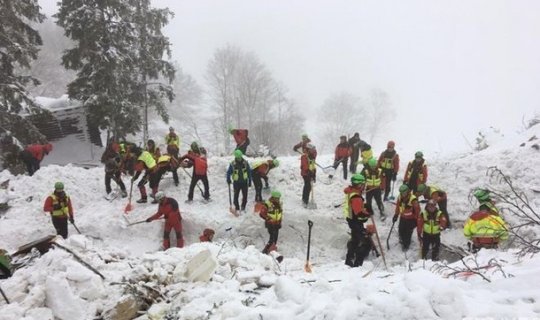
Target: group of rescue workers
(485, 228)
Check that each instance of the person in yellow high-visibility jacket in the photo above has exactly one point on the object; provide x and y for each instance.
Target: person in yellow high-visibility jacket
(485, 227)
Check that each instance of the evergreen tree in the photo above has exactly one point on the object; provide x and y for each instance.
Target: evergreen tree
(119, 48)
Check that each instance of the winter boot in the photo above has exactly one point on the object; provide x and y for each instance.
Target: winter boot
(142, 200)
(124, 194)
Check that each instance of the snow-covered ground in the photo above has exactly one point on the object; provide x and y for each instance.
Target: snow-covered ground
(246, 283)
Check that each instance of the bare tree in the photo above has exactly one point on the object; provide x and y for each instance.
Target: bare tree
(341, 114)
(381, 113)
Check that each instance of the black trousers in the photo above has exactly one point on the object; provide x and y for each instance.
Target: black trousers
(237, 187)
(354, 159)
(116, 177)
(405, 230)
(194, 179)
(61, 226)
(257, 183)
(388, 173)
(433, 241)
(164, 170)
(344, 163)
(374, 193)
(31, 163)
(307, 189)
(358, 246)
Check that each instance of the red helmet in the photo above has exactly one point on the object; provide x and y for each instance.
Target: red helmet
(391, 144)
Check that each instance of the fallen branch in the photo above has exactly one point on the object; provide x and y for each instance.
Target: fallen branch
(79, 259)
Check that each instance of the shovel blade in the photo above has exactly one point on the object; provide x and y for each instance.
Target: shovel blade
(234, 211)
(128, 208)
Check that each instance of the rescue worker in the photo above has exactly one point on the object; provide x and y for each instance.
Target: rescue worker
(341, 155)
(358, 247)
(440, 197)
(196, 158)
(416, 172)
(113, 171)
(308, 170)
(168, 208)
(303, 144)
(407, 210)
(241, 138)
(58, 204)
(375, 183)
(389, 162)
(272, 213)
(167, 163)
(5, 264)
(429, 226)
(153, 149)
(32, 156)
(259, 172)
(485, 227)
(207, 235)
(239, 173)
(146, 162)
(173, 143)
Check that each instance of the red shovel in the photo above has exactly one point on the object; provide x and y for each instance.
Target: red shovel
(129, 207)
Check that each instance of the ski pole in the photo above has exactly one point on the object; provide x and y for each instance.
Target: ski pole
(307, 267)
(388, 238)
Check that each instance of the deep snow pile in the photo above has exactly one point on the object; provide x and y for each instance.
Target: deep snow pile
(248, 284)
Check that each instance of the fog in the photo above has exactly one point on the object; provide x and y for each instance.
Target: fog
(450, 68)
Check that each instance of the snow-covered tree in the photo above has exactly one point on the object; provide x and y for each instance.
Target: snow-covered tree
(119, 52)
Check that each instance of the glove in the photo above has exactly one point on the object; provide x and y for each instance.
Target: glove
(57, 206)
(71, 220)
(148, 220)
(394, 218)
(394, 176)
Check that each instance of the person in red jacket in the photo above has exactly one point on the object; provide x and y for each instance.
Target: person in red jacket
(260, 172)
(153, 149)
(407, 209)
(389, 162)
(429, 226)
(308, 170)
(58, 204)
(416, 172)
(207, 236)
(168, 207)
(436, 194)
(359, 246)
(147, 163)
(341, 155)
(375, 183)
(241, 138)
(33, 154)
(200, 168)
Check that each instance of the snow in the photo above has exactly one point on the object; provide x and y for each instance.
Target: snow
(247, 284)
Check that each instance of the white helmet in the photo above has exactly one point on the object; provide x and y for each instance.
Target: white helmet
(160, 195)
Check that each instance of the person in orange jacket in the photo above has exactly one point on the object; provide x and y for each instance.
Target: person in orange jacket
(197, 158)
(341, 155)
(407, 210)
(207, 236)
(358, 247)
(58, 204)
(416, 172)
(389, 162)
(308, 171)
(272, 214)
(241, 138)
(32, 156)
(168, 208)
(260, 172)
(429, 225)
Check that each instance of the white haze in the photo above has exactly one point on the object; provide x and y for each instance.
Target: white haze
(450, 68)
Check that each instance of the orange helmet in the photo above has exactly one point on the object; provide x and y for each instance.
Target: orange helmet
(391, 144)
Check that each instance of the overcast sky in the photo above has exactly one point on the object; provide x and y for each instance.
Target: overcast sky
(450, 67)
